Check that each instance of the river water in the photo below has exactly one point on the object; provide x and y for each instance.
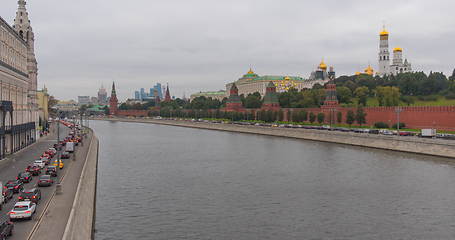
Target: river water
(164, 182)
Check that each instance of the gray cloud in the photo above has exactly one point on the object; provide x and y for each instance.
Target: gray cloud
(202, 44)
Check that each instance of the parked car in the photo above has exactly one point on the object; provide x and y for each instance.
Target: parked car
(65, 155)
(385, 132)
(22, 210)
(15, 185)
(33, 195)
(45, 181)
(25, 177)
(374, 131)
(6, 229)
(51, 170)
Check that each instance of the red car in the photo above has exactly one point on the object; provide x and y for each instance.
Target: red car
(35, 170)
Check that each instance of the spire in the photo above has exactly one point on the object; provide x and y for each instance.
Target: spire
(167, 97)
(113, 93)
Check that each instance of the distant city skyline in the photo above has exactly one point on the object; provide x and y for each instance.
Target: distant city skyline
(222, 40)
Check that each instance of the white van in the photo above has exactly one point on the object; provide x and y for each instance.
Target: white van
(69, 147)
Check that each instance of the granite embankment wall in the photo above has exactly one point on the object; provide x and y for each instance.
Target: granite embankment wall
(81, 221)
(435, 147)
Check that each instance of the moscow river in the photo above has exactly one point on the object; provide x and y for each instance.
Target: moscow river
(164, 182)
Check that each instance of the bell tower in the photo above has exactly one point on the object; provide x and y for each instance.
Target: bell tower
(384, 54)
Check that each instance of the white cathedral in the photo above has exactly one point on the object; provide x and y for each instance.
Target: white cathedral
(398, 65)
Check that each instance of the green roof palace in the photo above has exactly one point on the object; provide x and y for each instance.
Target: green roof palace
(252, 82)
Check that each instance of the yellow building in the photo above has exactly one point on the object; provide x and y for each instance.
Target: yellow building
(43, 106)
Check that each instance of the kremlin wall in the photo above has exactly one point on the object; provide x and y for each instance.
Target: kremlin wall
(438, 117)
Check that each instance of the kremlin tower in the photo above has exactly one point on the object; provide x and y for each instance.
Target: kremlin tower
(167, 97)
(113, 102)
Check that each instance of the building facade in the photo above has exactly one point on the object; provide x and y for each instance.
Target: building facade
(219, 95)
(43, 107)
(102, 96)
(83, 100)
(18, 83)
(252, 82)
(398, 65)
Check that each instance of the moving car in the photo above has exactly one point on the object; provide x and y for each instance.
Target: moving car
(65, 155)
(45, 181)
(6, 229)
(32, 195)
(7, 194)
(51, 170)
(25, 177)
(58, 163)
(40, 163)
(35, 170)
(22, 210)
(15, 185)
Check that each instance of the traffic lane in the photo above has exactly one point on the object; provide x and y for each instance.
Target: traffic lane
(21, 161)
(23, 228)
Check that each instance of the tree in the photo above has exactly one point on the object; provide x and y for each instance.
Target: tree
(388, 96)
(452, 78)
(344, 94)
(253, 100)
(312, 117)
(360, 116)
(350, 118)
(339, 117)
(362, 94)
(321, 117)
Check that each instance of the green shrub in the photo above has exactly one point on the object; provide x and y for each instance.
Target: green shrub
(381, 125)
(402, 125)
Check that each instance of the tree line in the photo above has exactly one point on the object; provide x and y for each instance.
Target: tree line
(352, 91)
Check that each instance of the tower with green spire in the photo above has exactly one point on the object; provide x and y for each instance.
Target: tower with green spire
(234, 103)
(271, 101)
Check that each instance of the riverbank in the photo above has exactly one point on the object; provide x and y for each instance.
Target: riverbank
(434, 147)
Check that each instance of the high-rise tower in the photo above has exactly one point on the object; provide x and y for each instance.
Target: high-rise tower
(384, 54)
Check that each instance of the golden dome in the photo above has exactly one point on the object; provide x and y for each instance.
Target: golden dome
(322, 65)
(357, 73)
(384, 33)
(398, 49)
(250, 71)
(369, 70)
(287, 78)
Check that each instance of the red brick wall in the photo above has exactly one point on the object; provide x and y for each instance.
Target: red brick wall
(442, 117)
(132, 113)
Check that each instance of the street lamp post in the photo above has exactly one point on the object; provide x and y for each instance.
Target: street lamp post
(398, 110)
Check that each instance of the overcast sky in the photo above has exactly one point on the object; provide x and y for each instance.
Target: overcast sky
(198, 45)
